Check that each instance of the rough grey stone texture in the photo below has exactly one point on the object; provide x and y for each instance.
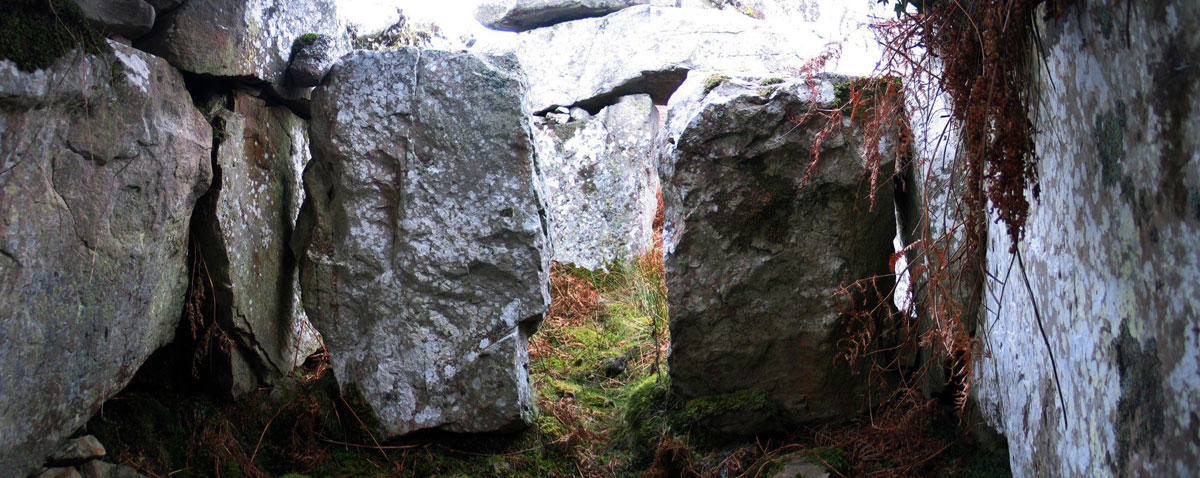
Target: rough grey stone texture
(128, 18)
(312, 61)
(753, 259)
(521, 15)
(645, 49)
(77, 450)
(243, 228)
(426, 259)
(601, 183)
(1110, 253)
(242, 38)
(101, 161)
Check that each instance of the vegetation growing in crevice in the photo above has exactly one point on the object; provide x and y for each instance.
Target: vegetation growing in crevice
(740, 7)
(860, 94)
(303, 41)
(38, 32)
(712, 82)
(981, 55)
(210, 343)
(405, 32)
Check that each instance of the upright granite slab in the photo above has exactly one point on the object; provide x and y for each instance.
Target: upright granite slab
(101, 160)
(425, 257)
(754, 257)
(243, 227)
(601, 183)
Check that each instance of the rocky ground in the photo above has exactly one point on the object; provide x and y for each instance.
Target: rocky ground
(599, 368)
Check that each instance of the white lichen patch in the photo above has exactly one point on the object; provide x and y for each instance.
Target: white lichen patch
(136, 69)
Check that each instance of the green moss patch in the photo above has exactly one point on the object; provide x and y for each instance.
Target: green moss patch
(648, 418)
(303, 41)
(712, 82)
(705, 408)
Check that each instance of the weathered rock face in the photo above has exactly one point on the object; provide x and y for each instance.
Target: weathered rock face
(101, 160)
(243, 228)
(242, 38)
(521, 15)
(753, 259)
(1110, 254)
(601, 183)
(128, 18)
(426, 257)
(648, 50)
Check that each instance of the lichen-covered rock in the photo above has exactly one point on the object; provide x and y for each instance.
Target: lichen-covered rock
(1109, 252)
(102, 158)
(243, 228)
(425, 251)
(754, 257)
(601, 183)
(521, 15)
(312, 56)
(128, 18)
(645, 49)
(242, 38)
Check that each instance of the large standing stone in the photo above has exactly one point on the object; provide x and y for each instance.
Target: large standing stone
(101, 160)
(243, 227)
(753, 259)
(1110, 270)
(521, 15)
(601, 183)
(426, 261)
(242, 38)
(644, 49)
